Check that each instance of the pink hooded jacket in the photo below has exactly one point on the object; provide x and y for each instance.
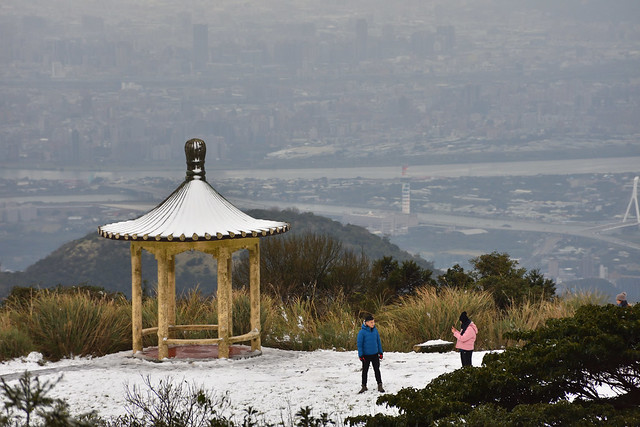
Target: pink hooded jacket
(468, 339)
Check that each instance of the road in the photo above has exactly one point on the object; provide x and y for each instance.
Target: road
(586, 230)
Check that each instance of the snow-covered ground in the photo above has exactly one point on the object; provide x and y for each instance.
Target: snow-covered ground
(277, 384)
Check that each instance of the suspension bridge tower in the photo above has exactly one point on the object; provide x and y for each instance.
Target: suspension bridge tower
(633, 201)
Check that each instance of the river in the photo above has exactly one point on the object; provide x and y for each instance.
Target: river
(451, 170)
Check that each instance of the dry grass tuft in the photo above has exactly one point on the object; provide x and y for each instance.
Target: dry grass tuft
(63, 324)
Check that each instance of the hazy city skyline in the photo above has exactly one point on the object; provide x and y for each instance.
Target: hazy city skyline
(106, 88)
(89, 84)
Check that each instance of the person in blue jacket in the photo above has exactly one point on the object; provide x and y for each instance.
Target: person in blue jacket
(370, 351)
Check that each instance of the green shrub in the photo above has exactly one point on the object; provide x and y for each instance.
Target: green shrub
(241, 312)
(337, 327)
(21, 296)
(562, 413)
(192, 309)
(268, 314)
(150, 319)
(393, 339)
(14, 343)
(302, 325)
(63, 325)
(295, 327)
(429, 315)
(572, 301)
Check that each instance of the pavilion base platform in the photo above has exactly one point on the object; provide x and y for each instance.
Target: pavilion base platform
(197, 352)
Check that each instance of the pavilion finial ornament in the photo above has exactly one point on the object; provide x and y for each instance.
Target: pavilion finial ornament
(192, 212)
(195, 150)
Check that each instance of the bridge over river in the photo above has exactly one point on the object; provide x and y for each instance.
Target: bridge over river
(580, 229)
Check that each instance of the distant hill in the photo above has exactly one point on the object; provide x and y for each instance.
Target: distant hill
(93, 260)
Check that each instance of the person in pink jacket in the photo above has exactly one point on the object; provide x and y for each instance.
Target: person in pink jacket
(466, 338)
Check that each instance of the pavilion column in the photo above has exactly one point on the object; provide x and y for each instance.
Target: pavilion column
(230, 300)
(163, 309)
(224, 297)
(254, 292)
(171, 278)
(136, 297)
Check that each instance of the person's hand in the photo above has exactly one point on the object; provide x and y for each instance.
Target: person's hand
(362, 358)
(380, 356)
(453, 329)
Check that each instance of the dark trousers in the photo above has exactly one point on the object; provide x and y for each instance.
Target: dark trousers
(465, 356)
(375, 361)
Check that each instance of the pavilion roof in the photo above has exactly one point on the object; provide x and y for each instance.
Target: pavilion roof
(194, 211)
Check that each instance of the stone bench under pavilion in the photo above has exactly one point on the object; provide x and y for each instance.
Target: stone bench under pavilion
(194, 217)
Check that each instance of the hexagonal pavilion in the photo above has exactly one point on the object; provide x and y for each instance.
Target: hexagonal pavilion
(194, 217)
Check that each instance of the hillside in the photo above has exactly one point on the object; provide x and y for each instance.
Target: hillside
(93, 260)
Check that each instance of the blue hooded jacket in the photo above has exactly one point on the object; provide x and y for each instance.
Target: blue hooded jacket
(369, 341)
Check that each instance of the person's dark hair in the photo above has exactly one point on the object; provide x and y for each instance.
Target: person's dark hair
(368, 317)
(464, 318)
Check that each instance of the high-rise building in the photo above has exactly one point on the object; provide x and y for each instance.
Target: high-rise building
(422, 43)
(75, 147)
(406, 192)
(588, 267)
(362, 35)
(446, 35)
(604, 272)
(200, 46)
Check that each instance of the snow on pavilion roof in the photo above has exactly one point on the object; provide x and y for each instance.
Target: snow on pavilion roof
(194, 211)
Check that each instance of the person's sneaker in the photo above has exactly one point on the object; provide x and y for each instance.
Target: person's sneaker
(380, 389)
(363, 389)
